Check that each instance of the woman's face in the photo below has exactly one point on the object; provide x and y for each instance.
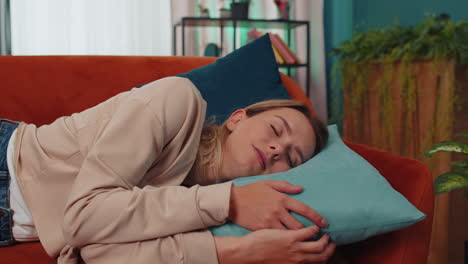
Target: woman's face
(272, 141)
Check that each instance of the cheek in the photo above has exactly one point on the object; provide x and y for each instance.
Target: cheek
(279, 167)
(240, 151)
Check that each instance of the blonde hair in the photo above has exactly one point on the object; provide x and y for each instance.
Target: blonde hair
(210, 151)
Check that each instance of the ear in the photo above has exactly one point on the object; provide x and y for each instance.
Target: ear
(235, 119)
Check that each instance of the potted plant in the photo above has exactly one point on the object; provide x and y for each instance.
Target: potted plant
(240, 9)
(204, 11)
(390, 75)
(399, 95)
(458, 177)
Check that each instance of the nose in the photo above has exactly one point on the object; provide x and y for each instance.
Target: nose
(276, 151)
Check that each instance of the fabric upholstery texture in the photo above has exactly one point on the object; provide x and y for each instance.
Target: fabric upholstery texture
(340, 185)
(40, 89)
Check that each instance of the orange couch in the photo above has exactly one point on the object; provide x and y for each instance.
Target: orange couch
(39, 89)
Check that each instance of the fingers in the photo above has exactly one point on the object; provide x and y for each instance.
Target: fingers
(323, 256)
(318, 251)
(278, 225)
(289, 221)
(318, 246)
(305, 233)
(284, 187)
(296, 206)
(302, 209)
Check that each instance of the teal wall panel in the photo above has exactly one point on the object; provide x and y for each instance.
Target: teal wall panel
(378, 14)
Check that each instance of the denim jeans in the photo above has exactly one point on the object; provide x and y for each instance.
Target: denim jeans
(6, 221)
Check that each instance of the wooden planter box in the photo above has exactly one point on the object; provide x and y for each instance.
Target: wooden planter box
(405, 109)
(399, 120)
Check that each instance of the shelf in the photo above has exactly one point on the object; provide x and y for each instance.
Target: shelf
(242, 23)
(229, 22)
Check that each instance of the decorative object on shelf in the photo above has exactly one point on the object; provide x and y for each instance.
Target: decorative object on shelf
(399, 96)
(212, 50)
(240, 9)
(284, 50)
(283, 8)
(458, 177)
(224, 12)
(283, 53)
(204, 11)
(254, 34)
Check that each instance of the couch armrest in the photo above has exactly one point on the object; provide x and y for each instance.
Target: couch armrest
(414, 181)
(296, 92)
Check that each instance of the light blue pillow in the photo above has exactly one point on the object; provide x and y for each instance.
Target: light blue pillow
(344, 188)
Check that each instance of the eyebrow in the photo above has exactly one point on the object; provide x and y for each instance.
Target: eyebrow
(288, 128)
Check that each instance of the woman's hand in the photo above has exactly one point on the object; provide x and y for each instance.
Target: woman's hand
(275, 246)
(263, 205)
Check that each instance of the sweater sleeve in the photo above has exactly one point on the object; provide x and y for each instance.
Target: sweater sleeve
(106, 206)
(186, 248)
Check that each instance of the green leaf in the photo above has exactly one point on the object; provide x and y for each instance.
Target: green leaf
(461, 33)
(459, 164)
(461, 170)
(447, 147)
(432, 37)
(466, 193)
(450, 181)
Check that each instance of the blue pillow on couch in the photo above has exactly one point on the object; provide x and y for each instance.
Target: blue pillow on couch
(245, 76)
(344, 188)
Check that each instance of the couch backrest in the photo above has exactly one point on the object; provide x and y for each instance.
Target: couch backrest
(40, 89)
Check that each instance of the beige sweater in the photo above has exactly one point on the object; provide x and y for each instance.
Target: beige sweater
(106, 181)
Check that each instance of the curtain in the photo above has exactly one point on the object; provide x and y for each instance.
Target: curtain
(339, 21)
(5, 36)
(87, 27)
(312, 10)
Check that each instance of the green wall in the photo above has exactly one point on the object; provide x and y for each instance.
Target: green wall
(378, 13)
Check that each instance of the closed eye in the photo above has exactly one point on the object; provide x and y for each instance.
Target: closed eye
(290, 163)
(276, 131)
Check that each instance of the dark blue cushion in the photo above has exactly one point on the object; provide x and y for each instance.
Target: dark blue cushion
(243, 77)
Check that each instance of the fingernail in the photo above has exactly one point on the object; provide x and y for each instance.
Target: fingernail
(324, 222)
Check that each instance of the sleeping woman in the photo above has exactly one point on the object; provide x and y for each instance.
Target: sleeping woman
(140, 177)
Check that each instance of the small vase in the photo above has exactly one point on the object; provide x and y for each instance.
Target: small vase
(224, 13)
(240, 10)
(283, 11)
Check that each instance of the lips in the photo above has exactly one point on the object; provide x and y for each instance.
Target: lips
(260, 157)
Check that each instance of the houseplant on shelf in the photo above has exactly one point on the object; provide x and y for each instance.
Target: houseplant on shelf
(240, 9)
(399, 95)
(204, 11)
